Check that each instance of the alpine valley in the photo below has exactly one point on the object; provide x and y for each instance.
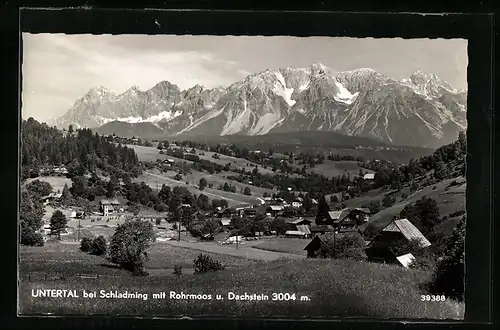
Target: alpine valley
(422, 110)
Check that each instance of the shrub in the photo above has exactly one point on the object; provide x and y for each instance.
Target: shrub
(433, 187)
(158, 221)
(343, 247)
(31, 238)
(161, 207)
(85, 244)
(388, 201)
(99, 246)
(177, 270)
(204, 263)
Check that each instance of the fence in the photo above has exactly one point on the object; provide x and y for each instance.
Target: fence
(38, 277)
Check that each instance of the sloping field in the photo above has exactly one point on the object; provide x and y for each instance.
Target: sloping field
(233, 199)
(218, 179)
(332, 168)
(151, 154)
(448, 198)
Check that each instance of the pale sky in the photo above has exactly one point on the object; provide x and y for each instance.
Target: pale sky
(58, 69)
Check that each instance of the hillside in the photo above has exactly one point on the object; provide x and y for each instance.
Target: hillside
(439, 178)
(421, 110)
(449, 198)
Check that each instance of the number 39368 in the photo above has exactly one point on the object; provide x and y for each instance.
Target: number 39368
(432, 298)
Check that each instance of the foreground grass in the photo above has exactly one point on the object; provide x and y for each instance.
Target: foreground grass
(68, 261)
(333, 287)
(285, 245)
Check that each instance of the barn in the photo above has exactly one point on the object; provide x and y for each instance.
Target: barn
(400, 230)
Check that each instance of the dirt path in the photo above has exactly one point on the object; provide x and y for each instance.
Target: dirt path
(244, 250)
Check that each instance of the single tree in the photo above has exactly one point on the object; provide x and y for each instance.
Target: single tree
(129, 244)
(323, 209)
(203, 183)
(66, 194)
(58, 223)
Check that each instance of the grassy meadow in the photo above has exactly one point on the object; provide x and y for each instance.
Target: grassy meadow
(284, 245)
(332, 287)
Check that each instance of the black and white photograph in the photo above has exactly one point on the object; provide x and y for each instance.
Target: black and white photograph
(242, 176)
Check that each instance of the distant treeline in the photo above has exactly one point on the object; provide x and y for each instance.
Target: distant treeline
(81, 151)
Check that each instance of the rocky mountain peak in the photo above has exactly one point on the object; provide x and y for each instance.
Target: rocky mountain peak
(419, 110)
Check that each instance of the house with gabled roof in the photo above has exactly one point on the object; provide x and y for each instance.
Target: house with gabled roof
(274, 210)
(396, 232)
(108, 207)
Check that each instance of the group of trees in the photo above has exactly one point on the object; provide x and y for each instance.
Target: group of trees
(30, 217)
(82, 151)
(32, 211)
(447, 161)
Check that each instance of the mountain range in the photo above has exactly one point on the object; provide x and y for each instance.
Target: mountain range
(422, 110)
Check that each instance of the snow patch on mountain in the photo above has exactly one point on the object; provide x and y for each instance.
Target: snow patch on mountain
(344, 95)
(281, 90)
(164, 115)
(305, 85)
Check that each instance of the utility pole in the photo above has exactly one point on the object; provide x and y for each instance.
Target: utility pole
(179, 212)
(78, 232)
(334, 243)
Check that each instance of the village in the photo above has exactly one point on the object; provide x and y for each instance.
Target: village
(307, 232)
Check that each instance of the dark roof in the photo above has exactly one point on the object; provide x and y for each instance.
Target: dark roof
(328, 237)
(409, 231)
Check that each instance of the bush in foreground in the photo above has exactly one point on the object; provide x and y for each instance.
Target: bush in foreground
(205, 264)
(99, 246)
(85, 244)
(177, 270)
(31, 238)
